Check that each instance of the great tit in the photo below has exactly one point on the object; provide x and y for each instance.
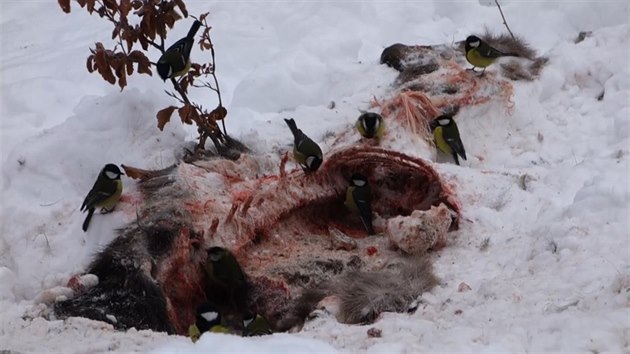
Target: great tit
(480, 54)
(446, 137)
(256, 326)
(370, 125)
(105, 193)
(228, 284)
(176, 59)
(359, 199)
(305, 151)
(208, 319)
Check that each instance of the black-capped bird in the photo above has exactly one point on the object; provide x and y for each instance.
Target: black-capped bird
(480, 54)
(105, 193)
(370, 125)
(256, 326)
(176, 59)
(446, 136)
(207, 319)
(359, 199)
(227, 281)
(305, 151)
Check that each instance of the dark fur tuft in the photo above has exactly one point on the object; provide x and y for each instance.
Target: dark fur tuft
(506, 44)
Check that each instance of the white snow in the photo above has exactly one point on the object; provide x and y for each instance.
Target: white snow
(555, 275)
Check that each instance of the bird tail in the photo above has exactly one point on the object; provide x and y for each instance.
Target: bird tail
(193, 29)
(293, 127)
(368, 225)
(86, 223)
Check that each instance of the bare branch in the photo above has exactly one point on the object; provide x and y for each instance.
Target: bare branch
(504, 21)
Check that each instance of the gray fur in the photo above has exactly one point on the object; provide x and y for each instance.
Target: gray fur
(365, 295)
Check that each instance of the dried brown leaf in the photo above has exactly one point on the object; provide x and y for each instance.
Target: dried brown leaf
(122, 76)
(125, 7)
(164, 116)
(116, 31)
(90, 63)
(82, 3)
(145, 68)
(182, 7)
(65, 5)
(138, 173)
(169, 19)
(129, 65)
(136, 4)
(90, 5)
(184, 113)
(107, 74)
(218, 113)
(111, 4)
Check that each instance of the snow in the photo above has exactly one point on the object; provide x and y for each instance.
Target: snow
(545, 187)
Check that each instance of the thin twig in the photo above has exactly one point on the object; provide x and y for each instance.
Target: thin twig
(174, 96)
(504, 21)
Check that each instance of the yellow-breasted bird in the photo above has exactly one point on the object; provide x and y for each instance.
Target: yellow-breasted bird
(256, 326)
(176, 59)
(207, 319)
(359, 199)
(104, 194)
(305, 151)
(370, 125)
(480, 54)
(227, 281)
(446, 136)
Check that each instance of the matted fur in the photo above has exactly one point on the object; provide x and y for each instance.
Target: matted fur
(363, 295)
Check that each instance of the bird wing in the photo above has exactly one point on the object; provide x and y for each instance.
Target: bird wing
(489, 52)
(365, 209)
(307, 144)
(101, 190)
(456, 144)
(180, 49)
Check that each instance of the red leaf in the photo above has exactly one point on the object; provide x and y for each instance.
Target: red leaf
(164, 116)
(65, 5)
